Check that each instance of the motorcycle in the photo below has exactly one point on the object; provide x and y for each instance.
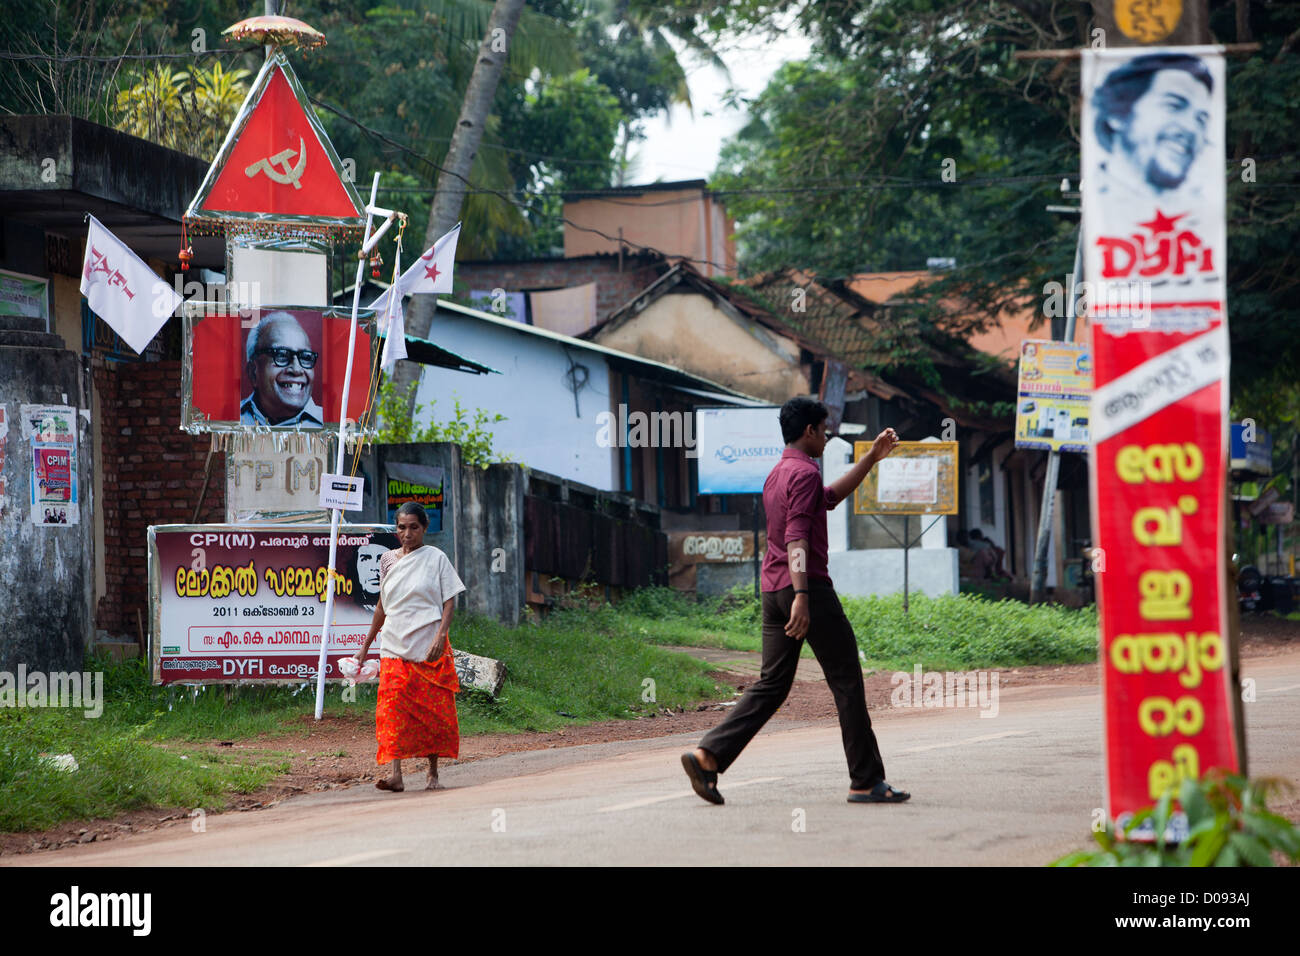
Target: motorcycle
(1250, 583)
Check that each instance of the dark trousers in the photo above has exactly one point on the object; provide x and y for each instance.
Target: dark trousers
(831, 637)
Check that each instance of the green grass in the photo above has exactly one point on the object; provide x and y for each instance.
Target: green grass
(949, 633)
(591, 663)
(580, 662)
(575, 662)
(964, 632)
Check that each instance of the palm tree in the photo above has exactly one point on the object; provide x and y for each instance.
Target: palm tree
(454, 178)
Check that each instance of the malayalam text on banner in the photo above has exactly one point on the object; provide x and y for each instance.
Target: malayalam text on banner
(1153, 233)
(230, 602)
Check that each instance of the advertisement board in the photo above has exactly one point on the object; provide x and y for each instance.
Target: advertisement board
(1053, 395)
(1153, 233)
(422, 484)
(26, 296)
(738, 448)
(1250, 450)
(918, 477)
(52, 430)
(240, 603)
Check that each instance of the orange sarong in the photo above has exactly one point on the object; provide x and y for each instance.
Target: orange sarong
(416, 713)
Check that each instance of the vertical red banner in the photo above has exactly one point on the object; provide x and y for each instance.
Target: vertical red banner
(1153, 232)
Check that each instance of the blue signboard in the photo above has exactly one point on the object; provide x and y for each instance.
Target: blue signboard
(737, 448)
(1253, 456)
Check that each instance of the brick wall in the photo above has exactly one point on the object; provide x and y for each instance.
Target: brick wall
(613, 288)
(152, 474)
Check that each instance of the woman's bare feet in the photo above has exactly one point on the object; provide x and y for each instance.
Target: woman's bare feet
(433, 783)
(394, 782)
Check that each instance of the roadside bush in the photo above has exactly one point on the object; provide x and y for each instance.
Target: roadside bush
(1228, 824)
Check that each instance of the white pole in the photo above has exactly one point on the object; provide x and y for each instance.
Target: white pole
(336, 513)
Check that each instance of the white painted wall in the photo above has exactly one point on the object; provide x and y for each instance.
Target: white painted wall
(931, 571)
(541, 429)
(836, 460)
(934, 533)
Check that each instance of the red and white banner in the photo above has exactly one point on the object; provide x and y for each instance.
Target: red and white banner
(1153, 234)
(431, 273)
(122, 290)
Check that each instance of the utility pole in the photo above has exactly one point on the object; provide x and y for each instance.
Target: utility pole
(1047, 511)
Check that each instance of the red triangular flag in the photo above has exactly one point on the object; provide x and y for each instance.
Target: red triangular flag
(280, 164)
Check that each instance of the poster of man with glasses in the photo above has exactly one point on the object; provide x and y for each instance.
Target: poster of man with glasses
(281, 368)
(280, 385)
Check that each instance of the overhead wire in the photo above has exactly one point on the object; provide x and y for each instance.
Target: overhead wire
(473, 189)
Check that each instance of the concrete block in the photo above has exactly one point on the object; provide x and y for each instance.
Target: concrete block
(931, 571)
(479, 673)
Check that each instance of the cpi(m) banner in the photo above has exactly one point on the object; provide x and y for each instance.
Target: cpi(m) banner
(1153, 232)
(235, 603)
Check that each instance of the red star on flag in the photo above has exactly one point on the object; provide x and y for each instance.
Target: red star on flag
(431, 272)
(1161, 223)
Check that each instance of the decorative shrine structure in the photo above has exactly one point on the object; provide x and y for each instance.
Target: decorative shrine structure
(271, 371)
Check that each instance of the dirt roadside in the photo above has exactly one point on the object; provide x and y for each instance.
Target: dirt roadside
(339, 750)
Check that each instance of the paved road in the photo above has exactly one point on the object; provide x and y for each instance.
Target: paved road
(1018, 788)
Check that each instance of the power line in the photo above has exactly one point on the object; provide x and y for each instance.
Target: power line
(505, 197)
(80, 57)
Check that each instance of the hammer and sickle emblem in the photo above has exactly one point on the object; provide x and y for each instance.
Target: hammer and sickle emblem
(281, 159)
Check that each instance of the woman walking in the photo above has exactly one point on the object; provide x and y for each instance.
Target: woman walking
(416, 713)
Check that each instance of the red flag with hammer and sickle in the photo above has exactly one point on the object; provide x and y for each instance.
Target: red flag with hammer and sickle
(278, 166)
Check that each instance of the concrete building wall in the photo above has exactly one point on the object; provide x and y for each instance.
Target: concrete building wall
(482, 523)
(616, 282)
(692, 333)
(543, 427)
(65, 316)
(686, 222)
(930, 571)
(45, 571)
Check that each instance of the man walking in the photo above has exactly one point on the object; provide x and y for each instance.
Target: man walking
(799, 602)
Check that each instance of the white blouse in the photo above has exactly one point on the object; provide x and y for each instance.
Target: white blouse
(413, 588)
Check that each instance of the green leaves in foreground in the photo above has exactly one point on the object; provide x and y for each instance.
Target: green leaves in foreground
(1228, 824)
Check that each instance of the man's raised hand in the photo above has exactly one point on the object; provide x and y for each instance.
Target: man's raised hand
(885, 442)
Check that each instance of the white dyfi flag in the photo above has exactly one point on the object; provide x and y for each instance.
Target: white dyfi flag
(430, 273)
(392, 326)
(122, 290)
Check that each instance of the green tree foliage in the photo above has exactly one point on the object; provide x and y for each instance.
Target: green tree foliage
(572, 123)
(188, 111)
(842, 168)
(388, 87)
(398, 424)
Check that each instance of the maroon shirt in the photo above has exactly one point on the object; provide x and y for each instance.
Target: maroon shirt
(796, 503)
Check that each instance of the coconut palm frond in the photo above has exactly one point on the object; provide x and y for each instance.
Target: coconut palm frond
(539, 41)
